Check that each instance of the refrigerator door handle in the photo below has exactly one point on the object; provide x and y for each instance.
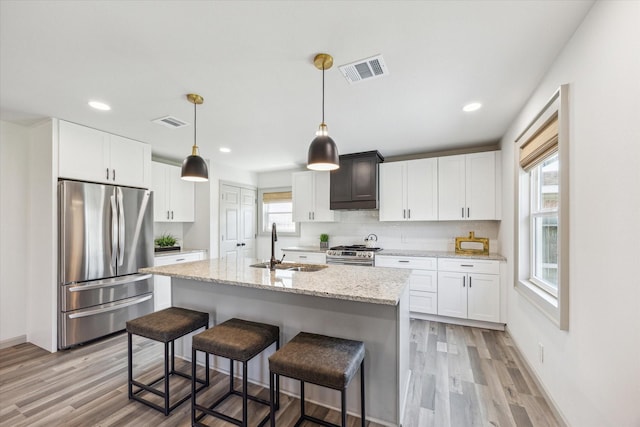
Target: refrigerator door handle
(109, 282)
(110, 307)
(121, 237)
(114, 231)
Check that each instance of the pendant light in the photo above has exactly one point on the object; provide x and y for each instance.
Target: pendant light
(323, 152)
(194, 168)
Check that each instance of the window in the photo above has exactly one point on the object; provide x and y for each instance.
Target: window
(276, 206)
(542, 228)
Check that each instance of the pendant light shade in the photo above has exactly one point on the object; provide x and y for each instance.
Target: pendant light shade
(323, 152)
(194, 168)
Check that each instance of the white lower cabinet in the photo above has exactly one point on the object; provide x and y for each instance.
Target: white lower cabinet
(423, 282)
(305, 257)
(469, 289)
(162, 284)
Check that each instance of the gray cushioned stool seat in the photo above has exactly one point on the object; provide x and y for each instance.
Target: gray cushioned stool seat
(319, 359)
(168, 324)
(236, 339)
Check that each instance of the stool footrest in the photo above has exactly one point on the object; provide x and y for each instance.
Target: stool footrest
(210, 411)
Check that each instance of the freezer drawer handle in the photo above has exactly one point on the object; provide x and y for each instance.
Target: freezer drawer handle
(112, 308)
(104, 283)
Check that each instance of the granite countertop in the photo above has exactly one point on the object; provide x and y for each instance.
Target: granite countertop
(179, 252)
(438, 254)
(304, 249)
(370, 285)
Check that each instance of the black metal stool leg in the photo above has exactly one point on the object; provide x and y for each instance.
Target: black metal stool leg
(245, 391)
(302, 398)
(272, 408)
(130, 364)
(343, 395)
(193, 385)
(230, 375)
(362, 399)
(166, 378)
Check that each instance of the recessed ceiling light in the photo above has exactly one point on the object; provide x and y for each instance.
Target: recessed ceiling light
(472, 107)
(99, 105)
(225, 150)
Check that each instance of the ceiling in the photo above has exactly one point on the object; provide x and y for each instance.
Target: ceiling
(252, 63)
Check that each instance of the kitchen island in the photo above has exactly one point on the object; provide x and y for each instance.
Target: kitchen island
(360, 303)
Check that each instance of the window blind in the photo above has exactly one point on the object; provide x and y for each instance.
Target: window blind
(542, 143)
(277, 197)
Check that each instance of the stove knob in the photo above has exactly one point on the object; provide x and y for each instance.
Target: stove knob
(370, 254)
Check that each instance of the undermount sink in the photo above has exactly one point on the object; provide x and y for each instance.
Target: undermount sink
(292, 266)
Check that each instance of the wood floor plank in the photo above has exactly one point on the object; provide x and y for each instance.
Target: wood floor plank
(460, 377)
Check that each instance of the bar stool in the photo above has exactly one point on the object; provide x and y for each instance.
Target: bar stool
(165, 326)
(321, 360)
(236, 340)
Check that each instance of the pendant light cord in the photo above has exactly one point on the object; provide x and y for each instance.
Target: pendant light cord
(195, 123)
(322, 91)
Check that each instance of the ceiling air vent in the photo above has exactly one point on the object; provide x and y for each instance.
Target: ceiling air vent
(365, 69)
(171, 122)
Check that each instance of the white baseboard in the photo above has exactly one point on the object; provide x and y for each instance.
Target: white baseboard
(457, 321)
(552, 404)
(13, 341)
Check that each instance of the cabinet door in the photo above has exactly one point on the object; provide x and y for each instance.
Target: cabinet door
(129, 160)
(422, 189)
(423, 302)
(451, 188)
(423, 280)
(484, 297)
(481, 185)
(452, 294)
(83, 153)
(364, 185)
(341, 181)
(321, 197)
(302, 195)
(392, 191)
(159, 187)
(181, 195)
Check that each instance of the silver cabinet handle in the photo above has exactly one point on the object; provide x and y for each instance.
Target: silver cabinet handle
(113, 174)
(404, 213)
(468, 215)
(464, 281)
(408, 213)
(180, 259)
(107, 173)
(466, 265)
(309, 214)
(168, 216)
(313, 216)
(171, 214)
(302, 256)
(469, 281)
(462, 214)
(403, 260)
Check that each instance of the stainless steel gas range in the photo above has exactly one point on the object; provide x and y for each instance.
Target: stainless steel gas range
(352, 255)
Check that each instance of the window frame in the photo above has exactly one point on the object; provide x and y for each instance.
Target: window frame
(555, 307)
(261, 232)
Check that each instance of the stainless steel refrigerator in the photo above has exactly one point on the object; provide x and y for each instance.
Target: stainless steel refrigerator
(105, 235)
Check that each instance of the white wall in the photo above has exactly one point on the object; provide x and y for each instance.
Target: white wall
(14, 181)
(591, 371)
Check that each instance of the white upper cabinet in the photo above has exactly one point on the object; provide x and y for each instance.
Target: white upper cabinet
(469, 186)
(409, 190)
(91, 155)
(311, 194)
(173, 197)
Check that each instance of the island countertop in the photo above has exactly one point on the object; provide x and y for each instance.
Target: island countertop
(352, 283)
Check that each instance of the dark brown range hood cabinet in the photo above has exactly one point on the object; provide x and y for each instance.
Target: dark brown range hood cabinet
(355, 184)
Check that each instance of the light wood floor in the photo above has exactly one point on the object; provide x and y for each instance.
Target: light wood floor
(460, 377)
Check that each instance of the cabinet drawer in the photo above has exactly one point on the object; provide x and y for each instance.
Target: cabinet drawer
(177, 259)
(465, 265)
(305, 257)
(423, 302)
(423, 280)
(422, 263)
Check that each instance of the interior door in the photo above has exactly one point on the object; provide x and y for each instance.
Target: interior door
(238, 214)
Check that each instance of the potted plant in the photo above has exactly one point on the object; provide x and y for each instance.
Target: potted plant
(166, 242)
(324, 241)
